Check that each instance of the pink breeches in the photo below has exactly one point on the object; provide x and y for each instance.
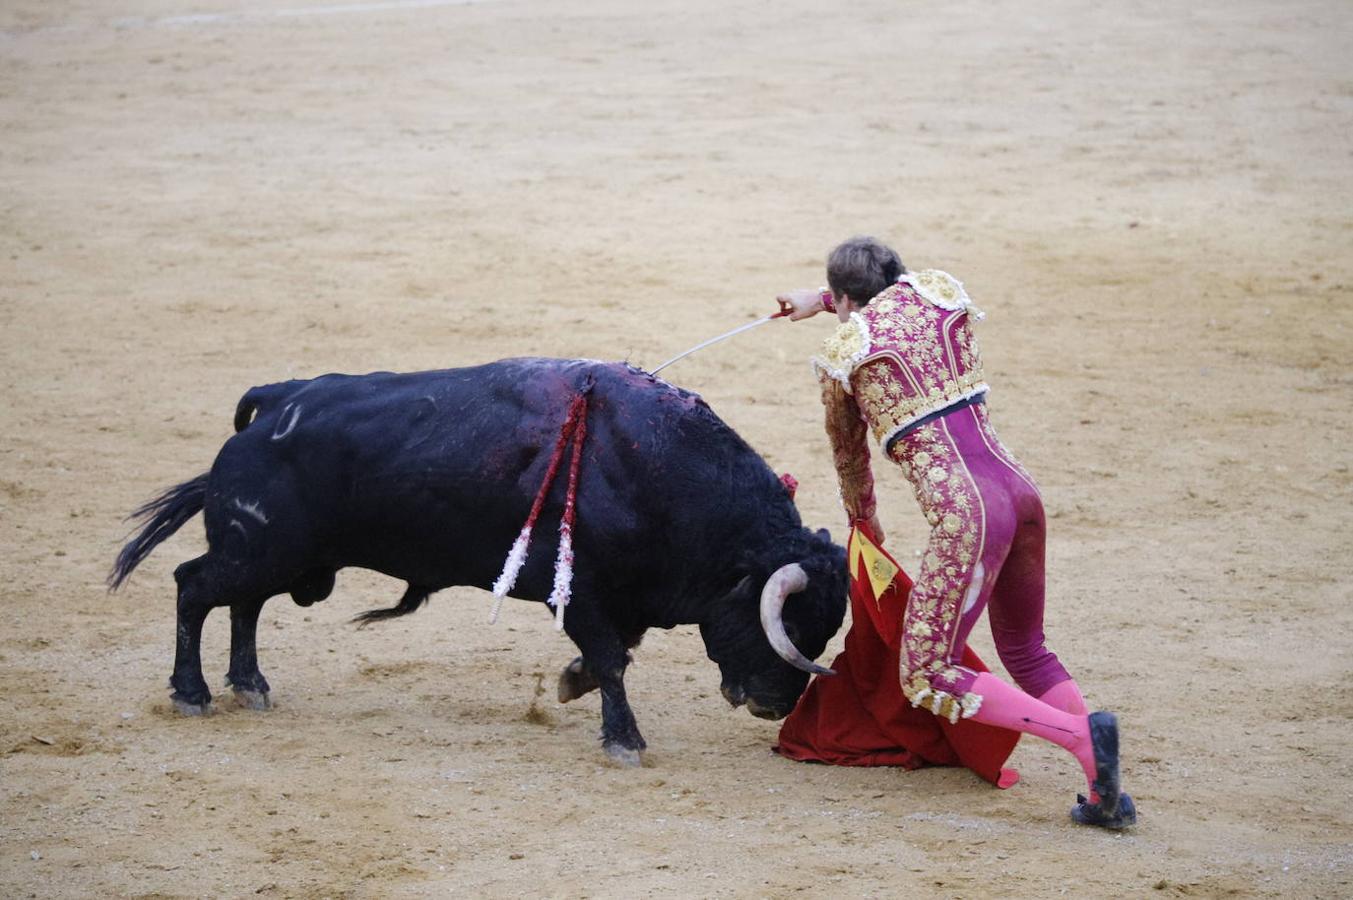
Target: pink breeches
(985, 552)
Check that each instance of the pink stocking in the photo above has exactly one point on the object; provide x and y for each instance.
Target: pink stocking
(1066, 696)
(1006, 706)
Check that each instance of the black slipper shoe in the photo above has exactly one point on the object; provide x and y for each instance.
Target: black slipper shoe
(1104, 740)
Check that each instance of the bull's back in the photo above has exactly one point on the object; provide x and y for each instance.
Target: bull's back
(430, 475)
(485, 422)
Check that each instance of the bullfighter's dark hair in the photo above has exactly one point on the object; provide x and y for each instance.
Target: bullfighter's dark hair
(862, 267)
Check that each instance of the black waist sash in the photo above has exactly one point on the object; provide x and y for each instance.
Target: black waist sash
(930, 417)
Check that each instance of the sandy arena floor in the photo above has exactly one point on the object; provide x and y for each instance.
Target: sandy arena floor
(1151, 200)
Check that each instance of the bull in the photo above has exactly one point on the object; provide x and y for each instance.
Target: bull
(428, 477)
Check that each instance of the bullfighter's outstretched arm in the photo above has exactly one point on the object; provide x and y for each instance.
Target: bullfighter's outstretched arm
(804, 303)
(849, 437)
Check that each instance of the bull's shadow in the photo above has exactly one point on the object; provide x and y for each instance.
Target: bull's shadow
(429, 477)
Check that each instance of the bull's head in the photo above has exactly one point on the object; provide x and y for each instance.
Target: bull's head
(772, 628)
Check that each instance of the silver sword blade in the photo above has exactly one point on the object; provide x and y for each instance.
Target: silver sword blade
(714, 340)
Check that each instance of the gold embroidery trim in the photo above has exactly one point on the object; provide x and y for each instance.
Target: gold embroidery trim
(941, 289)
(921, 357)
(949, 497)
(842, 352)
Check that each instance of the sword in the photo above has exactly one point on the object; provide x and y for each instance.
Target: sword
(723, 337)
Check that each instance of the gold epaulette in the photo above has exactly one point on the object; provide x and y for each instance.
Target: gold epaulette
(842, 352)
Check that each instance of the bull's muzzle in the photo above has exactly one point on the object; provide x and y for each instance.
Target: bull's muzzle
(734, 694)
(779, 711)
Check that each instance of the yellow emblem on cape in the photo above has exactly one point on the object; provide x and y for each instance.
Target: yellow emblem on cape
(878, 567)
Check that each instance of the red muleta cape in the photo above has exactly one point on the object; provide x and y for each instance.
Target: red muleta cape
(858, 717)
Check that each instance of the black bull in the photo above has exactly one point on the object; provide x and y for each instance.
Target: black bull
(428, 477)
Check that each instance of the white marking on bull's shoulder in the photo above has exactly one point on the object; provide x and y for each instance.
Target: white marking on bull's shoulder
(291, 414)
(250, 509)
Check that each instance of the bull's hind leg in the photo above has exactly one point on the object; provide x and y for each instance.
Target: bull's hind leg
(191, 696)
(244, 678)
(250, 687)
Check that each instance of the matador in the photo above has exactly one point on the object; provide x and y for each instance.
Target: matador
(904, 364)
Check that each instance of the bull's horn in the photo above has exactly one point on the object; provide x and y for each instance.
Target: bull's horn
(786, 580)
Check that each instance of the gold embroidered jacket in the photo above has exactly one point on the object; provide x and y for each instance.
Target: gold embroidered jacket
(908, 353)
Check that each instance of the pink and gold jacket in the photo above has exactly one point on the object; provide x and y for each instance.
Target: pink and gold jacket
(909, 353)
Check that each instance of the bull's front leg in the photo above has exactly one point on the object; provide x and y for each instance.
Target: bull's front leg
(251, 688)
(576, 680)
(604, 660)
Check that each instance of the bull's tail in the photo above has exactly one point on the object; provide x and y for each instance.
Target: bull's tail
(162, 516)
(412, 600)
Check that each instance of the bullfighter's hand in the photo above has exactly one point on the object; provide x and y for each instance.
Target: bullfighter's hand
(801, 303)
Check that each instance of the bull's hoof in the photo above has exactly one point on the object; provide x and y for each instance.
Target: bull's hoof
(574, 681)
(186, 707)
(624, 757)
(258, 700)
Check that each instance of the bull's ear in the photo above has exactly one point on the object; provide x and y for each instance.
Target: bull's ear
(825, 535)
